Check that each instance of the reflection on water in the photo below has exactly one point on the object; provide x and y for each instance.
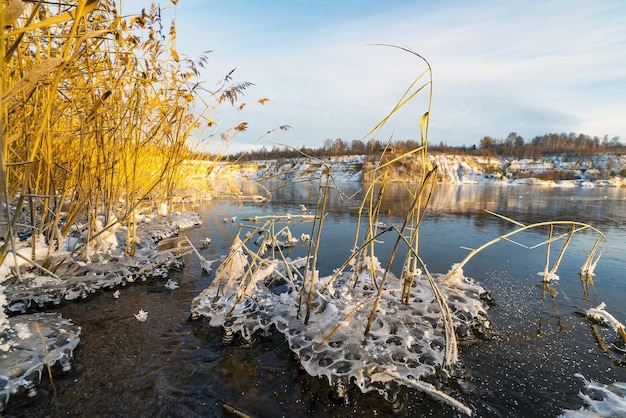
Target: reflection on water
(170, 366)
(535, 204)
(598, 206)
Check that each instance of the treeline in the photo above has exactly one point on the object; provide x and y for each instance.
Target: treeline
(512, 146)
(555, 143)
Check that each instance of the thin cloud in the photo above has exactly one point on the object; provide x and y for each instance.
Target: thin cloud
(528, 67)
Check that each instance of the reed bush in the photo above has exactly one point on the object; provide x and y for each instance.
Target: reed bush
(96, 114)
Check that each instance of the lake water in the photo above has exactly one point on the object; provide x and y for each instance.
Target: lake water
(171, 366)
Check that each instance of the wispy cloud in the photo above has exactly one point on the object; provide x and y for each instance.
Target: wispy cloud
(523, 66)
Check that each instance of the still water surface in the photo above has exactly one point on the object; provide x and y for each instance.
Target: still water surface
(171, 366)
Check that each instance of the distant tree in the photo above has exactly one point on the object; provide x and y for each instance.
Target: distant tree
(338, 146)
(328, 145)
(412, 144)
(614, 142)
(357, 146)
(373, 146)
(605, 142)
(518, 142)
(513, 145)
(487, 142)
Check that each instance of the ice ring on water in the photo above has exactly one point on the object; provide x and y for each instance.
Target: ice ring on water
(405, 343)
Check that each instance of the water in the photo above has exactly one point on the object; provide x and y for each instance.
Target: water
(171, 366)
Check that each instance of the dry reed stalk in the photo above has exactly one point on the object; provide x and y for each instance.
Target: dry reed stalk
(592, 258)
(546, 273)
(95, 113)
(590, 263)
(311, 268)
(400, 237)
(563, 250)
(45, 350)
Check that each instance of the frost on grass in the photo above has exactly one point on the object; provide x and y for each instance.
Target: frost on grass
(33, 342)
(406, 341)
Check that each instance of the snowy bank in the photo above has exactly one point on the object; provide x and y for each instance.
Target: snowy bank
(605, 170)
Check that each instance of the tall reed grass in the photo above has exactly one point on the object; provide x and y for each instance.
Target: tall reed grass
(96, 114)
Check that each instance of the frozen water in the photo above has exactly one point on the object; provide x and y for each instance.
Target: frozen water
(600, 400)
(406, 341)
(79, 279)
(35, 291)
(25, 354)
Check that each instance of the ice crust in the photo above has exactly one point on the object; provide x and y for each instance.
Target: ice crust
(25, 355)
(600, 400)
(600, 315)
(406, 341)
(76, 280)
(35, 291)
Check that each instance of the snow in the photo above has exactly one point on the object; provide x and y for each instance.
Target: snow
(600, 400)
(343, 169)
(596, 171)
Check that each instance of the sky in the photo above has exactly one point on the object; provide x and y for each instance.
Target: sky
(529, 67)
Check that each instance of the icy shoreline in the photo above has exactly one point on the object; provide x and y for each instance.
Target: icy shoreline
(30, 341)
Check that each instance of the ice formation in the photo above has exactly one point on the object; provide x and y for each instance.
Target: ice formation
(141, 316)
(76, 280)
(548, 276)
(35, 291)
(600, 400)
(406, 341)
(600, 314)
(171, 285)
(25, 355)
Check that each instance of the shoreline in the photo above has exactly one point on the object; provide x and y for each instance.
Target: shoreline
(555, 171)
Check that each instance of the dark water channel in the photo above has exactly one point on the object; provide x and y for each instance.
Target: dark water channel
(170, 366)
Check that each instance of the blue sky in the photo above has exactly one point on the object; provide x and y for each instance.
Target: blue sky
(530, 67)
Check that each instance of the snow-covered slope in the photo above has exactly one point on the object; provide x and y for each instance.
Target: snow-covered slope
(599, 170)
(348, 168)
